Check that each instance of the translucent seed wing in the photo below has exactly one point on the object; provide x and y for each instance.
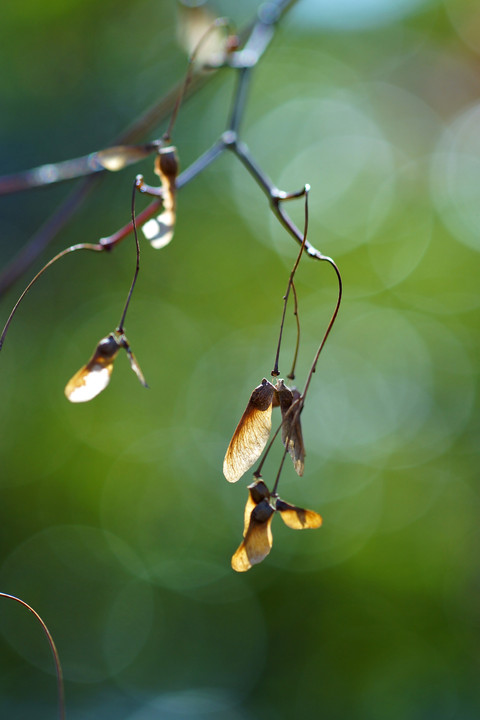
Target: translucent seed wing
(88, 383)
(120, 156)
(198, 36)
(258, 539)
(135, 366)
(297, 518)
(251, 434)
(159, 231)
(94, 377)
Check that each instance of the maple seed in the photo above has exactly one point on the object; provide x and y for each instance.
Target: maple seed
(251, 434)
(257, 533)
(94, 377)
(159, 230)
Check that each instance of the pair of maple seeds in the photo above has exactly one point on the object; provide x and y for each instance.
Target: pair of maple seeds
(246, 446)
(94, 377)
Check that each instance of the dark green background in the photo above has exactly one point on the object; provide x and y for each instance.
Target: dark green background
(116, 522)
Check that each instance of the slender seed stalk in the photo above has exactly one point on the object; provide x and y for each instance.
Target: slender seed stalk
(56, 657)
(137, 267)
(73, 248)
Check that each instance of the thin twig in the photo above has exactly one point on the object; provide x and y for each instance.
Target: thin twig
(275, 372)
(72, 248)
(291, 374)
(56, 658)
(137, 267)
(256, 41)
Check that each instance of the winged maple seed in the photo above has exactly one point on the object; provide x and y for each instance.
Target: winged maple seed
(94, 377)
(257, 535)
(159, 230)
(251, 434)
(253, 430)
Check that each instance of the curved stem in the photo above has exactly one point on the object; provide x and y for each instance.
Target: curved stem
(329, 327)
(277, 479)
(137, 244)
(258, 471)
(56, 658)
(72, 248)
(291, 374)
(275, 371)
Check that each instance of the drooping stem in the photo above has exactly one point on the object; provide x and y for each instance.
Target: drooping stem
(56, 658)
(291, 374)
(277, 479)
(81, 246)
(258, 471)
(329, 327)
(275, 371)
(137, 245)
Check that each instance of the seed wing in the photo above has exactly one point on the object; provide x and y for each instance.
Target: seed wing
(135, 366)
(297, 518)
(251, 434)
(159, 231)
(88, 382)
(94, 377)
(258, 539)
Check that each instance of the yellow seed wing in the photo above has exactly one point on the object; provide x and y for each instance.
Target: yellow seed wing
(94, 377)
(249, 508)
(298, 518)
(251, 434)
(258, 539)
(88, 382)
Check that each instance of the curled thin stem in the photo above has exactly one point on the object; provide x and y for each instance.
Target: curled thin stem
(291, 374)
(56, 657)
(73, 248)
(137, 245)
(275, 371)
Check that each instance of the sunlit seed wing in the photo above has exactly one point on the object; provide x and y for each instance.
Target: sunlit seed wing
(196, 34)
(120, 156)
(257, 492)
(94, 377)
(87, 384)
(292, 436)
(297, 518)
(159, 231)
(135, 366)
(251, 434)
(258, 539)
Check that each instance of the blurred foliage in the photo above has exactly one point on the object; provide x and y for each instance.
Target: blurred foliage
(117, 525)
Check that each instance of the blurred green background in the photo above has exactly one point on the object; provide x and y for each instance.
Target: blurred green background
(116, 522)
